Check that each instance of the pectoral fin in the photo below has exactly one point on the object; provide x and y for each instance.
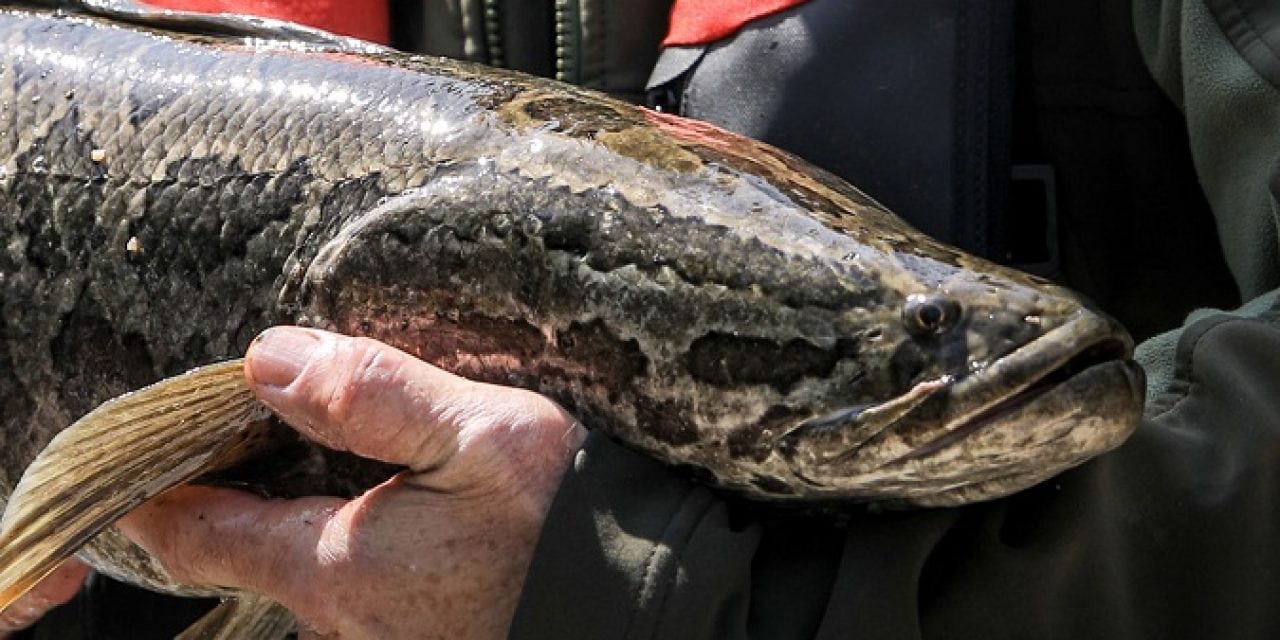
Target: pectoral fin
(247, 616)
(123, 453)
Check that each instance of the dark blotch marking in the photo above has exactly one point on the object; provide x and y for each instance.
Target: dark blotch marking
(576, 117)
(206, 210)
(67, 182)
(664, 420)
(927, 357)
(696, 473)
(95, 361)
(353, 197)
(575, 234)
(480, 335)
(725, 360)
(594, 344)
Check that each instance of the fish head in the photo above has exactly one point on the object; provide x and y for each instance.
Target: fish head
(981, 381)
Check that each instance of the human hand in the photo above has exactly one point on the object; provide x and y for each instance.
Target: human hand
(440, 550)
(55, 589)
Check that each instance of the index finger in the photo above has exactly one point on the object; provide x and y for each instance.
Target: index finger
(55, 589)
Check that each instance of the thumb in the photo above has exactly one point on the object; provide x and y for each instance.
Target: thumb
(229, 538)
(363, 396)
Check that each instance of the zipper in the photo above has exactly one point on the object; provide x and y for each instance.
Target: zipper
(493, 33)
(568, 39)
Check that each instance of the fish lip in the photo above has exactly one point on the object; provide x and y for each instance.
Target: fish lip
(970, 402)
(1087, 341)
(1050, 451)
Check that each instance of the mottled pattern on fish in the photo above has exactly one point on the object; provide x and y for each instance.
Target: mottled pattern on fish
(705, 298)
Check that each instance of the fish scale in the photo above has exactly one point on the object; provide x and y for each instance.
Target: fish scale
(712, 301)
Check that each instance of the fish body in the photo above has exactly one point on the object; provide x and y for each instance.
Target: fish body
(705, 298)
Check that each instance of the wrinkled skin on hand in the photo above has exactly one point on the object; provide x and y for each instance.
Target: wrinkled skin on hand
(56, 589)
(438, 551)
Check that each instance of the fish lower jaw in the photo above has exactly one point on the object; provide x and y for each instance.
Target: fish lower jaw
(1064, 398)
(1052, 428)
(1101, 353)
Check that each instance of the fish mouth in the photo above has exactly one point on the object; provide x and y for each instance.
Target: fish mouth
(1110, 350)
(1064, 397)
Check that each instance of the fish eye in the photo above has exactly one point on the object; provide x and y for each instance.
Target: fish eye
(929, 315)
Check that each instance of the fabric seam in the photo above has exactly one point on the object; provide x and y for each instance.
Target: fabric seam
(1190, 382)
(666, 591)
(1257, 33)
(1269, 316)
(650, 563)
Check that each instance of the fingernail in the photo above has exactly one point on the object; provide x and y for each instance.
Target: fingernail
(278, 355)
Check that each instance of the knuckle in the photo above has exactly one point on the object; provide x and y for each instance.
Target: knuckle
(361, 367)
(528, 433)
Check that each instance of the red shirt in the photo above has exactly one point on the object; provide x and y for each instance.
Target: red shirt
(702, 21)
(366, 19)
(692, 21)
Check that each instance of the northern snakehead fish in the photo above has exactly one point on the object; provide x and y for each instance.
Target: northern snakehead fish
(171, 186)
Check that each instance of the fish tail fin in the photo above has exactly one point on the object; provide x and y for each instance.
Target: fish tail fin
(123, 453)
(248, 615)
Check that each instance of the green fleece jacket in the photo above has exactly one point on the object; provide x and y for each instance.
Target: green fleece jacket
(1170, 536)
